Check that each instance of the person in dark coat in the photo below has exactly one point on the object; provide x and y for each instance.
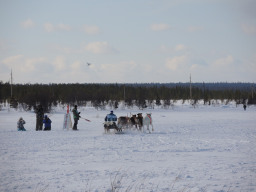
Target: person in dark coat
(76, 116)
(20, 124)
(244, 106)
(39, 117)
(47, 123)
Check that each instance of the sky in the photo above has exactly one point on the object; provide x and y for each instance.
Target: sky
(135, 41)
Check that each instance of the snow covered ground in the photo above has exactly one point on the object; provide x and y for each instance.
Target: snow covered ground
(207, 148)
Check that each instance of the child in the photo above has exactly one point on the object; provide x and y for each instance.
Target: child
(47, 123)
(20, 124)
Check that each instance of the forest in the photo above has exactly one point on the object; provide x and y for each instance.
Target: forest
(142, 95)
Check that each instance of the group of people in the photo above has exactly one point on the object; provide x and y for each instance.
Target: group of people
(44, 119)
(40, 120)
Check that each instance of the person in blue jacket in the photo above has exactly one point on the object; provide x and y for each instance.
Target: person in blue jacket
(111, 117)
(47, 123)
(20, 124)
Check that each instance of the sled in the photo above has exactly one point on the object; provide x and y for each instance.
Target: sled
(108, 125)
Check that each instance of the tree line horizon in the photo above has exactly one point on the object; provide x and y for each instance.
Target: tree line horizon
(142, 95)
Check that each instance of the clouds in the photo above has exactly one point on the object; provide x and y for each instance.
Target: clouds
(4, 45)
(249, 29)
(12, 60)
(61, 68)
(195, 28)
(59, 63)
(91, 30)
(49, 27)
(38, 69)
(174, 50)
(159, 27)
(175, 62)
(180, 47)
(175, 68)
(97, 47)
(122, 71)
(204, 67)
(158, 42)
(225, 61)
(24, 64)
(27, 23)
(100, 48)
(182, 60)
(189, 61)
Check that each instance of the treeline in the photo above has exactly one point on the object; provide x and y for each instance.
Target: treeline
(141, 95)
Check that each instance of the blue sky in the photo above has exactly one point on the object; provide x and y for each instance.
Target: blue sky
(131, 41)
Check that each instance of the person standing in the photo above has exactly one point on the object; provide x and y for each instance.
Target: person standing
(47, 123)
(20, 124)
(76, 116)
(244, 107)
(39, 117)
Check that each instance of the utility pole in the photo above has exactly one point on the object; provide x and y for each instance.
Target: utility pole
(11, 83)
(124, 92)
(252, 91)
(13, 102)
(204, 93)
(190, 88)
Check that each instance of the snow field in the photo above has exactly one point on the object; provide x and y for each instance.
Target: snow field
(192, 149)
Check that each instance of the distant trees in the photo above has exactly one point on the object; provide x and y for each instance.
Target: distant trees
(141, 95)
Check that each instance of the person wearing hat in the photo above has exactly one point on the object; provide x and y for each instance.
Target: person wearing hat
(47, 123)
(20, 124)
(76, 116)
(111, 117)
